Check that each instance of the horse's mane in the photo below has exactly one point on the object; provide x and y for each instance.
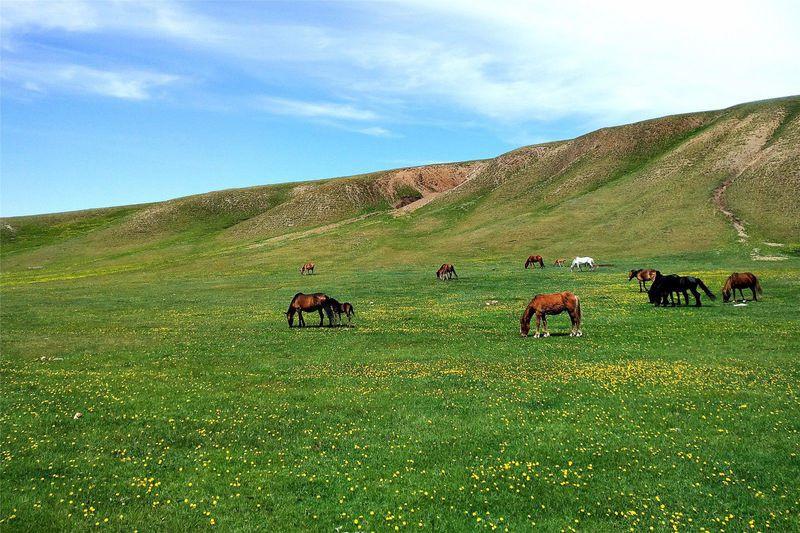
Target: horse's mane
(526, 316)
(728, 283)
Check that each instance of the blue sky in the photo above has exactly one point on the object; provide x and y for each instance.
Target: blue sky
(111, 103)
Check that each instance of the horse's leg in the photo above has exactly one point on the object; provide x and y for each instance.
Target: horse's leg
(300, 321)
(753, 288)
(321, 320)
(544, 323)
(696, 298)
(538, 324)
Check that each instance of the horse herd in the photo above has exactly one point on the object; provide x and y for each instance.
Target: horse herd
(663, 291)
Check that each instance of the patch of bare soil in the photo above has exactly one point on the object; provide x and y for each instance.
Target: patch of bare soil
(430, 182)
(719, 201)
(755, 255)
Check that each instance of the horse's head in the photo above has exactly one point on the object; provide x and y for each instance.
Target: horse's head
(726, 295)
(632, 274)
(290, 317)
(653, 295)
(524, 327)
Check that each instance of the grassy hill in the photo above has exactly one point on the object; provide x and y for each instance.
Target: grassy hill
(645, 189)
(149, 380)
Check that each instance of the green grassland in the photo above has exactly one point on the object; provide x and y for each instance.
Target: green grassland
(163, 325)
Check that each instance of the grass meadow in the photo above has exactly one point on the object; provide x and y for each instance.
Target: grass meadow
(202, 409)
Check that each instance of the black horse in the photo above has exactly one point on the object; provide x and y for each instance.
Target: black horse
(664, 287)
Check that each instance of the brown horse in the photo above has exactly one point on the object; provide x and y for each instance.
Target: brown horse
(560, 262)
(308, 268)
(551, 304)
(339, 308)
(346, 309)
(446, 271)
(533, 259)
(309, 303)
(743, 280)
(643, 275)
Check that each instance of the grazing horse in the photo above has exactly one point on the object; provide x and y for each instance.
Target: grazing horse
(551, 304)
(560, 262)
(533, 259)
(308, 268)
(580, 261)
(446, 271)
(662, 288)
(743, 280)
(309, 303)
(643, 275)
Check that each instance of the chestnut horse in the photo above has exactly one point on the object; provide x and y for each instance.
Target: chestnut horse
(533, 259)
(741, 280)
(308, 268)
(551, 304)
(643, 275)
(446, 271)
(560, 262)
(309, 303)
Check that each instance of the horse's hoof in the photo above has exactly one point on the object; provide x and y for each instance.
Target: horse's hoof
(535, 335)
(579, 334)
(546, 335)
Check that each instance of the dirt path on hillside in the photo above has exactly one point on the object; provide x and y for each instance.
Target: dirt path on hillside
(719, 201)
(313, 231)
(431, 196)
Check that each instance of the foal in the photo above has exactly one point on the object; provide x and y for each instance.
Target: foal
(643, 275)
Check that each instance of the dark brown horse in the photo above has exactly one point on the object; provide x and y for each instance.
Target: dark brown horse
(308, 268)
(551, 304)
(446, 271)
(347, 309)
(309, 303)
(533, 260)
(340, 309)
(741, 280)
(560, 262)
(643, 275)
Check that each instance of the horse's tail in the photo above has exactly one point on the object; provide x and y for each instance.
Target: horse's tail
(705, 289)
(758, 287)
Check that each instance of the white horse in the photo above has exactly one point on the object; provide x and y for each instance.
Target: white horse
(580, 261)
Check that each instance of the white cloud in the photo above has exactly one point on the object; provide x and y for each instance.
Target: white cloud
(376, 131)
(511, 61)
(125, 84)
(301, 108)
